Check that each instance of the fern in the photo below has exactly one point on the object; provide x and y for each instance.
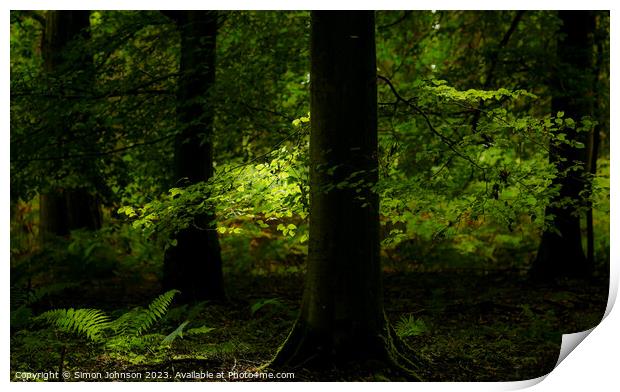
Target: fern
(408, 326)
(21, 296)
(178, 332)
(258, 305)
(139, 320)
(93, 323)
(158, 308)
(128, 324)
(87, 322)
(199, 330)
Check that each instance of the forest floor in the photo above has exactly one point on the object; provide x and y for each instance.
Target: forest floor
(467, 325)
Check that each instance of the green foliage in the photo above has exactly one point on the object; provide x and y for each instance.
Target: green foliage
(601, 213)
(86, 322)
(441, 89)
(23, 300)
(125, 335)
(22, 297)
(21, 317)
(539, 324)
(198, 330)
(180, 331)
(258, 305)
(262, 201)
(83, 260)
(177, 333)
(138, 320)
(95, 325)
(463, 157)
(409, 326)
(262, 80)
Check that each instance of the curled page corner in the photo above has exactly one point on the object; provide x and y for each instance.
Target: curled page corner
(522, 384)
(569, 342)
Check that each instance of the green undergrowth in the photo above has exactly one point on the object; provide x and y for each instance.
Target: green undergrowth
(469, 327)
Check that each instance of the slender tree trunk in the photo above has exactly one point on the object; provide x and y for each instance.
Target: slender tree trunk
(561, 252)
(342, 318)
(594, 139)
(194, 265)
(593, 143)
(62, 210)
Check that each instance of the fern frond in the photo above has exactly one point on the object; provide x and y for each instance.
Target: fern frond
(92, 323)
(160, 305)
(408, 326)
(199, 330)
(128, 323)
(157, 309)
(138, 320)
(38, 294)
(21, 296)
(177, 333)
(86, 322)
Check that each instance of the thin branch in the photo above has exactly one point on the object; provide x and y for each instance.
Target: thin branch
(405, 15)
(95, 153)
(98, 96)
(494, 60)
(409, 102)
(501, 46)
(496, 117)
(271, 150)
(257, 109)
(417, 42)
(139, 89)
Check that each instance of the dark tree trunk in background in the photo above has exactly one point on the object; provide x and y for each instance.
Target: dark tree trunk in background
(194, 265)
(593, 146)
(342, 318)
(66, 210)
(561, 252)
(62, 210)
(594, 138)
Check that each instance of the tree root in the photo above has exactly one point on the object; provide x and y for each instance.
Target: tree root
(304, 349)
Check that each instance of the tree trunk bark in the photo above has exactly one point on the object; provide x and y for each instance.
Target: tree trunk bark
(561, 252)
(63, 210)
(66, 210)
(194, 265)
(593, 144)
(594, 136)
(342, 318)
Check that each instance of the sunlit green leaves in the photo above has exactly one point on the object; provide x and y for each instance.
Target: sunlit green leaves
(410, 326)
(289, 229)
(127, 210)
(299, 121)
(443, 90)
(271, 194)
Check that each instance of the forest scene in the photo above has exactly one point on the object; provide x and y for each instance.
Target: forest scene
(306, 195)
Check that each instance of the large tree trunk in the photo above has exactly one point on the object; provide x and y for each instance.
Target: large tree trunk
(561, 251)
(342, 318)
(63, 210)
(194, 265)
